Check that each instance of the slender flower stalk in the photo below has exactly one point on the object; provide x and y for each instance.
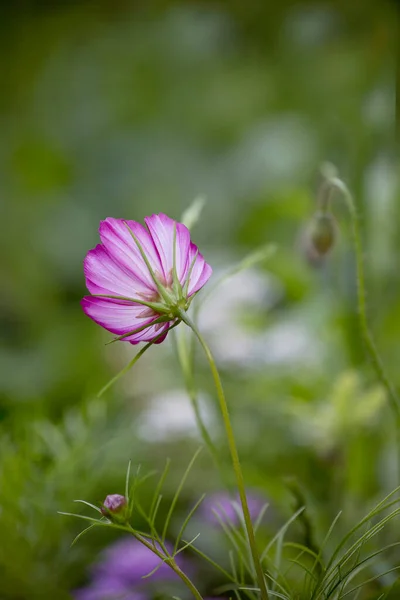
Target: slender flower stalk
(234, 455)
(185, 354)
(330, 185)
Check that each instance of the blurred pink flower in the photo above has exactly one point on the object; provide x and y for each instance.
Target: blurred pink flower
(141, 277)
(229, 509)
(119, 575)
(129, 561)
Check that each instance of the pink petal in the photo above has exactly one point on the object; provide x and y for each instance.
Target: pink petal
(150, 334)
(200, 273)
(105, 276)
(121, 317)
(161, 229)
(114, 315)
(117, 239)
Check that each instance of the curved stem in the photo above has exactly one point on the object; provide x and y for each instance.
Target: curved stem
(362, 310)
(169, 561)
(234, 455)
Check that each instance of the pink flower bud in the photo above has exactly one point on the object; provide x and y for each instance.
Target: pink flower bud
(115, 507)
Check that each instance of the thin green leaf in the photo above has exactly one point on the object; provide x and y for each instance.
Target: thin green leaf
(260, 516)
(82, 533)
(177, 494)
(160, 564)
(283, 529)
(303, 549)
(278, 555)
(275, 581)
(133, 361)
(148, 475)
(325, 540)
(331, 567)
(236, 592)
(241, 577)
(135, 484)
(154, 515)
(186, 521)
(84, 518)
(366, 537)
(187, 544)
(360, 565)
(381, 506)
(213, 563)
(232, 561)
(222, 589)
(156, 496)
(127, 478)
(303, 567)
(96, 508)
(275, 594)
(375, 578)
(230, 535)
(239, 512)
(389, 590)
(192, 214)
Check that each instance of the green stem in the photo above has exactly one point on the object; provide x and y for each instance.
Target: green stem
(185, 356)
(169, 560)
(234, 455)
(362, 310)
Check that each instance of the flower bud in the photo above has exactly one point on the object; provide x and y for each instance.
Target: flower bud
(322, 232)
(115, 508)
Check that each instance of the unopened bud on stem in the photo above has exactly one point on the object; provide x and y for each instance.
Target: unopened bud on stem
(322, 232)
(115, 508)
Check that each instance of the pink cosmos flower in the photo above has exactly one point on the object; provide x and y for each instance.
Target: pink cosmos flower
(141, 278)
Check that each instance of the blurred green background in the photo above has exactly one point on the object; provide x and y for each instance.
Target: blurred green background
(123, 109)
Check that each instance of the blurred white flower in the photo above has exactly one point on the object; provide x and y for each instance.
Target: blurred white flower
(287, 342)
(221, 316)
(235, 342)
(169, 415)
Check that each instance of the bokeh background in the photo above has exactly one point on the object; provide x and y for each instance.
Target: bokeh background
(119, 108)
